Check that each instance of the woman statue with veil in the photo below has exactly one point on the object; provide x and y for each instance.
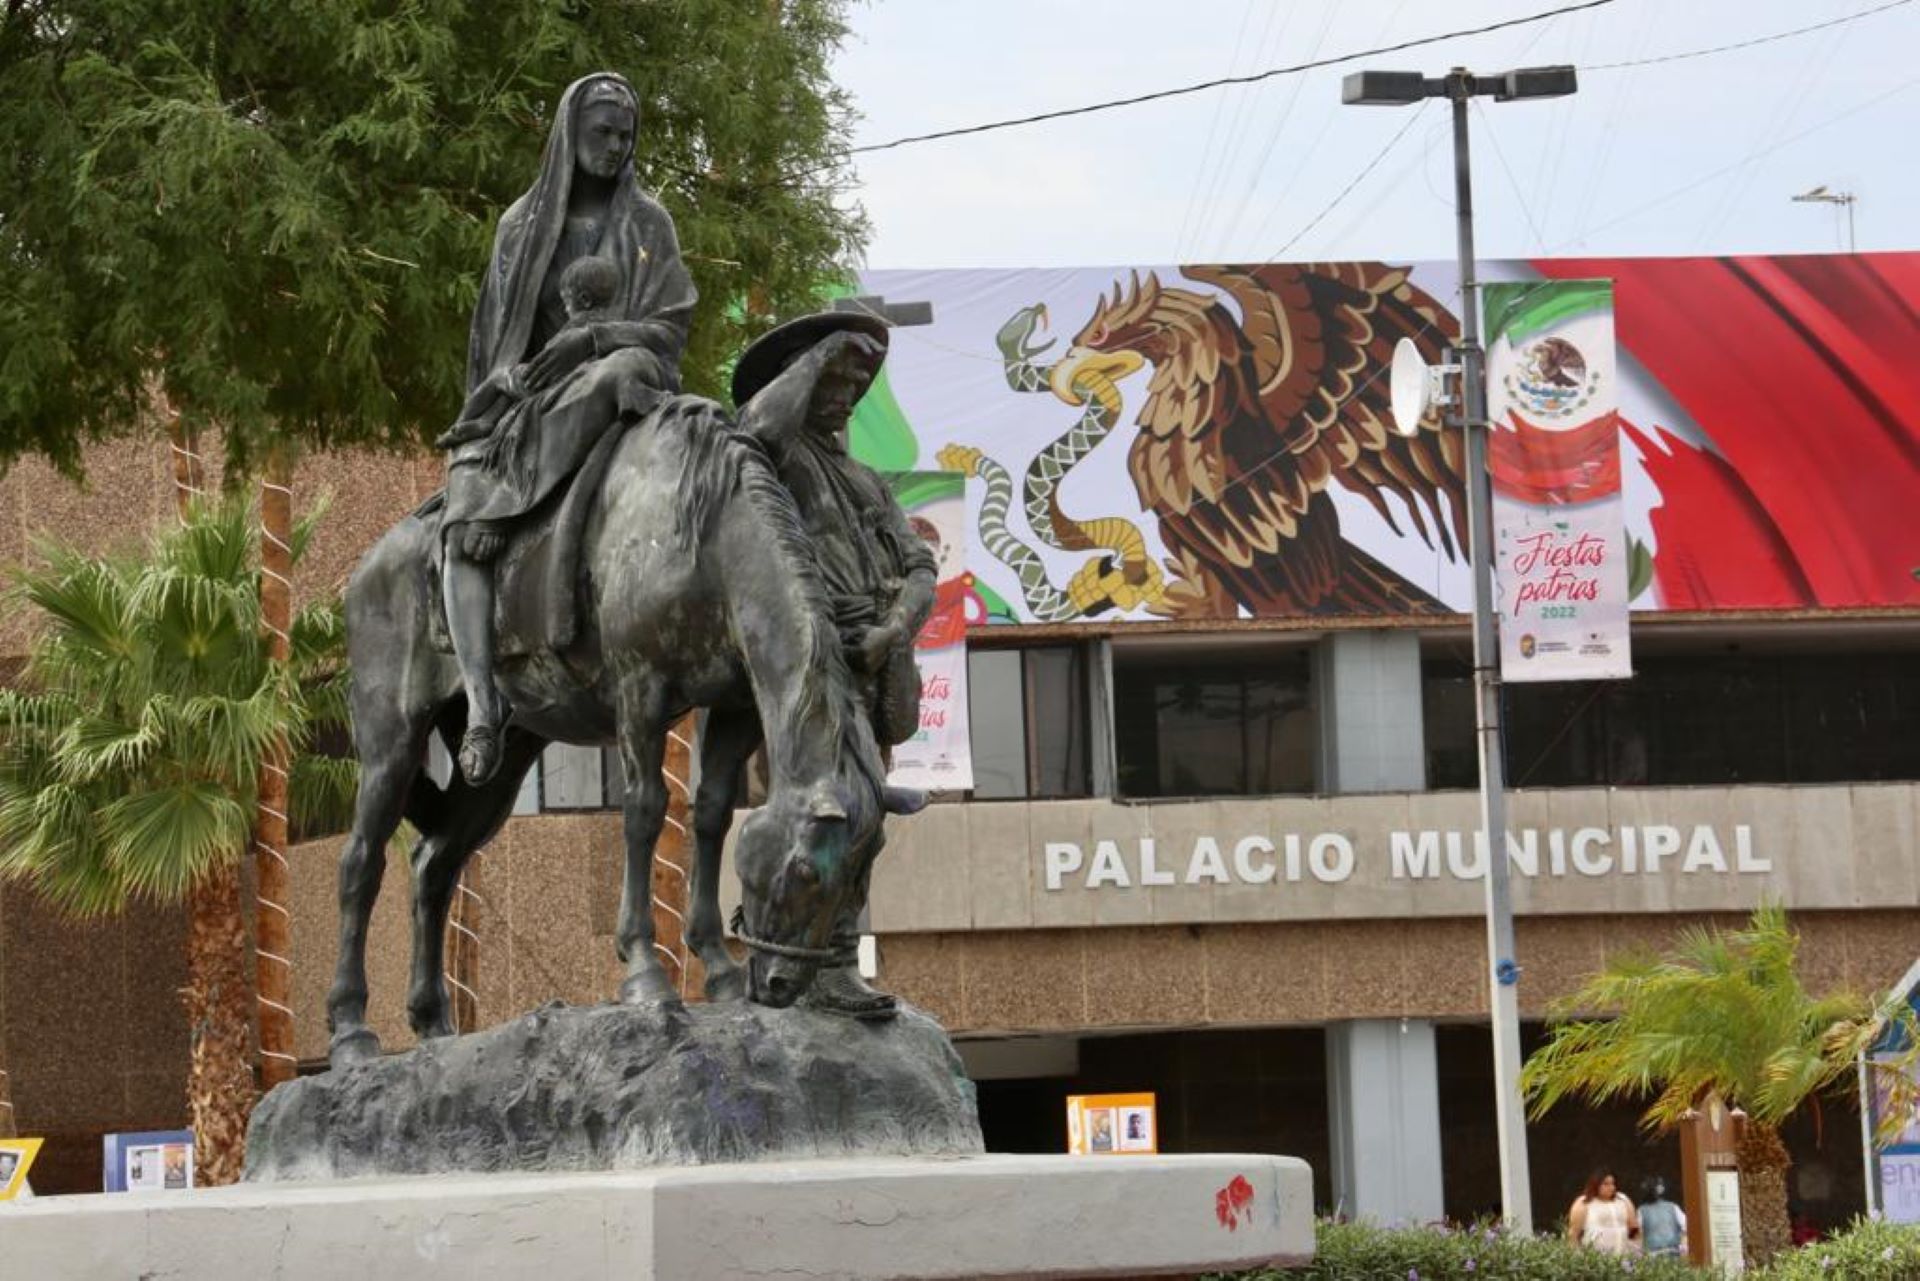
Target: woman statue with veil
(572, 383)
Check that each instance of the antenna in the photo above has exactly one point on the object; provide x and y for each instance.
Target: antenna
(1414, 387)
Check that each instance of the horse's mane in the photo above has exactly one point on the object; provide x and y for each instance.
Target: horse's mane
(721, 462)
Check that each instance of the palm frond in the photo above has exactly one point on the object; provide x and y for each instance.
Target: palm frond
(321, 792)
(162, 841)
(1723, 1011)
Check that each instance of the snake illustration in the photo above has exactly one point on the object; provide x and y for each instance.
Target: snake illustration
(1126, 577)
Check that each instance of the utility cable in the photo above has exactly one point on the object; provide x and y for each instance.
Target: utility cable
(1181, 91)
(1413, 118)
(1747, 159)
(1749, 44)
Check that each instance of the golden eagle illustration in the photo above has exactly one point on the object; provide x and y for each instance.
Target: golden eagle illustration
(1248, 419)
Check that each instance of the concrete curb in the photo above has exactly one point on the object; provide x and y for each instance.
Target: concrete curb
(858, 1220)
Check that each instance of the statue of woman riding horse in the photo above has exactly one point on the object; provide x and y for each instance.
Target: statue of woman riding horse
(702, 584)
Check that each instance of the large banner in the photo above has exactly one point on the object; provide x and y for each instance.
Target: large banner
(1559, 531)
(1210, 442)
(939, 757)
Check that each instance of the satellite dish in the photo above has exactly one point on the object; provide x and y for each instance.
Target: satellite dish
(1410, 387)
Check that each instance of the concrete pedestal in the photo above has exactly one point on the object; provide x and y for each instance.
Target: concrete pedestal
(989, 1216)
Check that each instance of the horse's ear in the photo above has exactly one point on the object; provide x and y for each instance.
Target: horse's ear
(903, 800)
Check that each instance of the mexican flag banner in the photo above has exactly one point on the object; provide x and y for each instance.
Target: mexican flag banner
(1560, 543)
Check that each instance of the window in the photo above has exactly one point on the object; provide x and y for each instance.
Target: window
(1692, 719)
(1029, 721)
(1191, 721)
(579, 778)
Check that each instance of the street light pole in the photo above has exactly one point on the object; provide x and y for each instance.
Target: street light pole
(1459, 86)
(1516, 1193)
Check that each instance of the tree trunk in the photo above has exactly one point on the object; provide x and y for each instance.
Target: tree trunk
(673, 856)
(1764, 1227)
(9, 1128)
(189, 472)
(272, 938)
(219, 1002)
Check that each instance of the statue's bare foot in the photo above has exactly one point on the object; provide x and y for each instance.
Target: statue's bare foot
(483, 543)
(841, 990)
(480, 754)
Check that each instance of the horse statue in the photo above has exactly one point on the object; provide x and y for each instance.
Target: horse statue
(703, 594)
(639, 557)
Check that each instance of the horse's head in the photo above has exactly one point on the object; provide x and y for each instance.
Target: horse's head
(800, 858)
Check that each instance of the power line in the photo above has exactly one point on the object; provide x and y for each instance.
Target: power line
(1757, 40)
(1751, 156)
(1159, 94)
(1413, 118)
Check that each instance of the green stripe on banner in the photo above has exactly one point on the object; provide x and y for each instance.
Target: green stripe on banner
(1518, 310)
(879, 434)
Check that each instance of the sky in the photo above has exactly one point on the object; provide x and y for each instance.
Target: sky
(1684, 157)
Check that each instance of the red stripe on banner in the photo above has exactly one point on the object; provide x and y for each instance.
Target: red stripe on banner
(1805, 374)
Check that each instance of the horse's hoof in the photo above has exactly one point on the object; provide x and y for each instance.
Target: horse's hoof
(727, 985)
(649, 987)
(354, 1046)
(435, 1029)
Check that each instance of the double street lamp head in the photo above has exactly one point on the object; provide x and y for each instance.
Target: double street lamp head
(1398, 88)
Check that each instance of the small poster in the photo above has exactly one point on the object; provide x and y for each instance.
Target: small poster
(16, 1158)
(1111, 1124)
(153, 1161)
(939, 758)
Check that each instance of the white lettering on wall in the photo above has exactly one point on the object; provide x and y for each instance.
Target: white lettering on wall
(1425, 854)
(1330, 855)
(1107, 867)
(1062, 857)
(1151, 873)
(1704, 851)
(1413, 857)
(1206, 863)
(1244, 866)
(1586, 862)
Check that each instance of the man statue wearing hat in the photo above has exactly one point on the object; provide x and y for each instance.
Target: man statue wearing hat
(797, 387)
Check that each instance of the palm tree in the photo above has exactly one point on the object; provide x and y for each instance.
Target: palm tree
(1723, 1013)
(130, 764)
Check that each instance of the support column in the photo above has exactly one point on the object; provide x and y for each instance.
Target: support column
(1383, 1107)
(1366, 690)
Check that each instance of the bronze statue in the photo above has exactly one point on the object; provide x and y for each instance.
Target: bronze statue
(582, 378)
(668, 567)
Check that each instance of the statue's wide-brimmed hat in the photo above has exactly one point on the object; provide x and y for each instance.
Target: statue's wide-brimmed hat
(762, 362)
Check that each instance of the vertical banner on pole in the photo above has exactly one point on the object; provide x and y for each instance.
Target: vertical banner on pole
(938, 758)
(1560, 540)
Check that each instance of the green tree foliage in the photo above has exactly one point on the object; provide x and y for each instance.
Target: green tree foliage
(283, 211)
(130, 752)
(1725, 1012)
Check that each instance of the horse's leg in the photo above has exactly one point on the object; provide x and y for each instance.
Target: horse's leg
(726, 740)
(391, 743)
(471, 816)
(643, 732)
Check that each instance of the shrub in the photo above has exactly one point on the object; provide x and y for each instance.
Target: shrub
(1866, 1251)
(1363, 1252)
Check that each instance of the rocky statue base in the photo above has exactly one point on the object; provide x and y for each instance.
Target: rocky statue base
(614, 1087)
